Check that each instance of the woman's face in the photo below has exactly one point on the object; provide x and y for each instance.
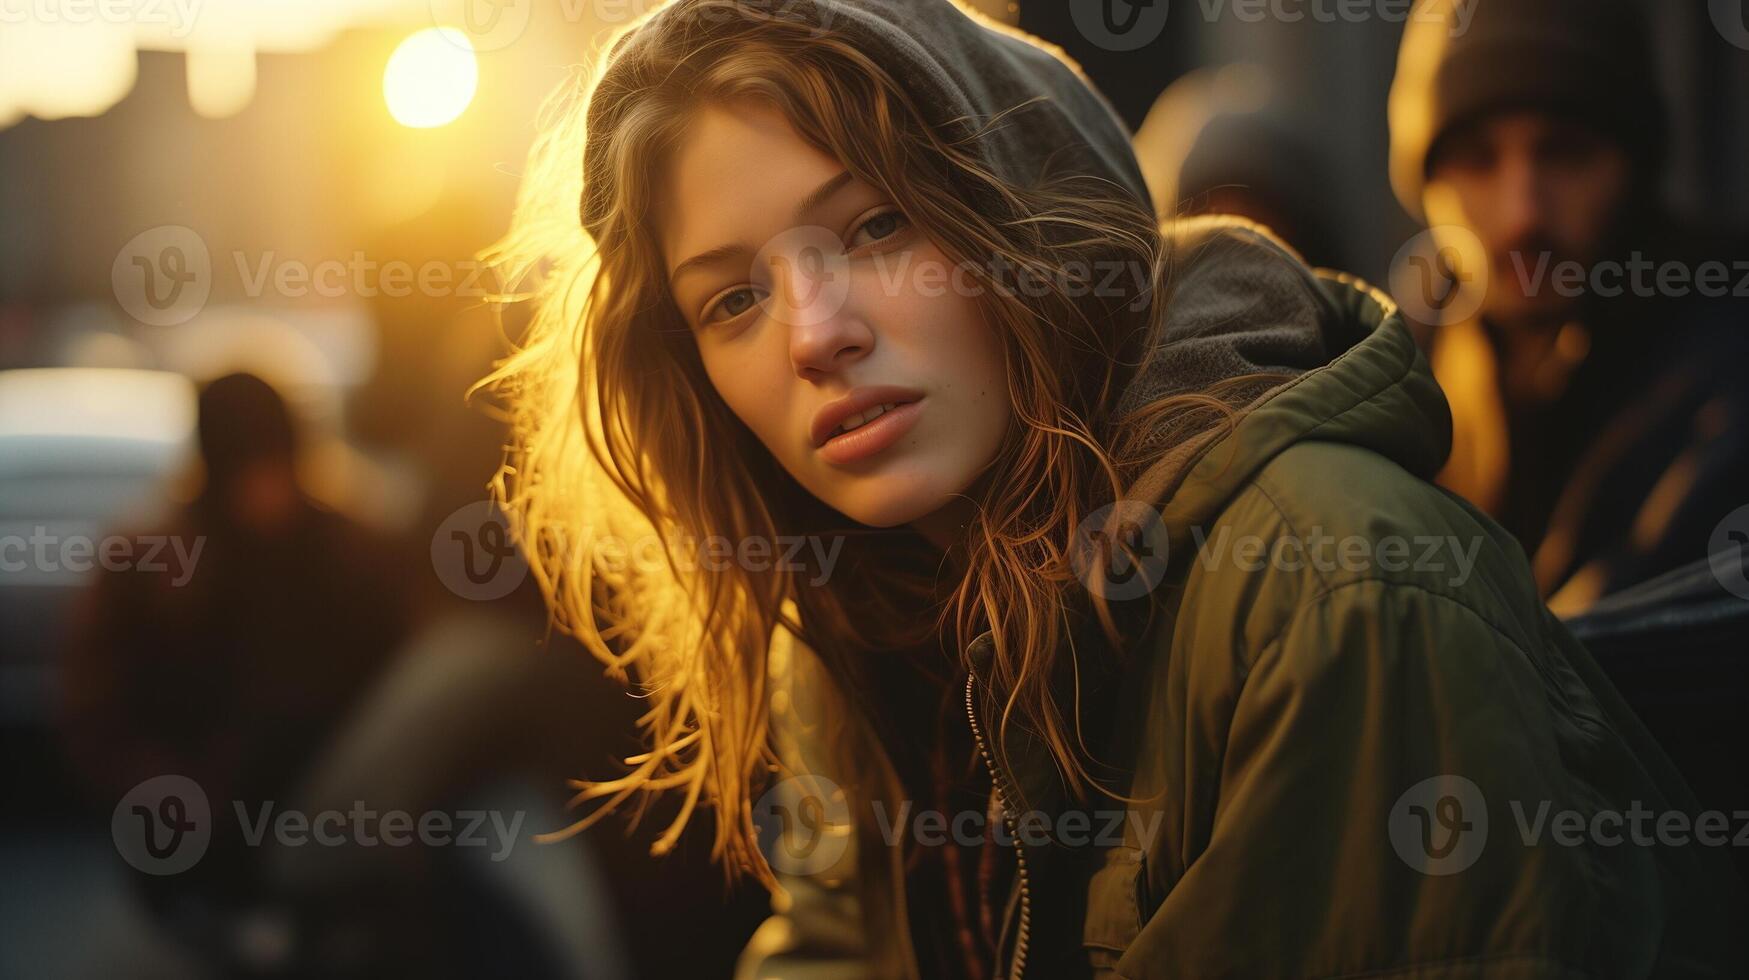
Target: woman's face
(814, 302)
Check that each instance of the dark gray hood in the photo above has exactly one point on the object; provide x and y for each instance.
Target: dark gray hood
(1242, 302)
(964, 69)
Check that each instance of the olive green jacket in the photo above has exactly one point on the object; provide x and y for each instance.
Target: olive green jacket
(1356, 742)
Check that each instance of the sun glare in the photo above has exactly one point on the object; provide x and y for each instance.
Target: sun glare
(430, 79)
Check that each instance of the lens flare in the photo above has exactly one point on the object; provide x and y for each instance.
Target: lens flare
(430, 78)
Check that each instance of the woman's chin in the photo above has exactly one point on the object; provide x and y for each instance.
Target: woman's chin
(892, 500)
(891, 513)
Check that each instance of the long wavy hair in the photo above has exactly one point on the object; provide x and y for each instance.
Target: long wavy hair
(619, 436)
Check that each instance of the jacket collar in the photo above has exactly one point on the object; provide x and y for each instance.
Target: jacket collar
(1378, 393)
(1091, 676)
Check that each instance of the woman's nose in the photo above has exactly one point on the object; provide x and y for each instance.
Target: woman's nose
(810, 295)
(822, 346)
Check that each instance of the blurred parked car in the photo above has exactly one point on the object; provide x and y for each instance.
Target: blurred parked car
(81, 451)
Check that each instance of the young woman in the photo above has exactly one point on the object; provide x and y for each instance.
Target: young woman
(921, 478)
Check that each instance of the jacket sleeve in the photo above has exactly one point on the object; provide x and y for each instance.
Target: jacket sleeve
(1363, 817)
(815, 931)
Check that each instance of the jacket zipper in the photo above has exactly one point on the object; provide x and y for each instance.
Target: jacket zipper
(997, 783)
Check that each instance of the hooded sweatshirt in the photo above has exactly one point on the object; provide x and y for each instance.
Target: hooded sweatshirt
(1324, 750)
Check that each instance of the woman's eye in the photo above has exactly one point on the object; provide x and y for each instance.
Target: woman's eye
(730, 305)
(881, 226)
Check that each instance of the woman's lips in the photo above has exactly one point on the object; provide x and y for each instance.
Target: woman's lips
(871, 437)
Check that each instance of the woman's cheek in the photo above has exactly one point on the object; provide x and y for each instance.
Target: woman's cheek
(744, 377)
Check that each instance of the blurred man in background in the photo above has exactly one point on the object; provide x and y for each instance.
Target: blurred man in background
(1592, 353)
(1223, 140)
(237, 672)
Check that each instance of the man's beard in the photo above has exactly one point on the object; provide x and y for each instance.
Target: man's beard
(1532, 286)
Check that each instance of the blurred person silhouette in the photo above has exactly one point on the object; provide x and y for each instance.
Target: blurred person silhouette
(1599, 403)
(235, 671)
(491, 692)
(1600, 407)
(1220, 140)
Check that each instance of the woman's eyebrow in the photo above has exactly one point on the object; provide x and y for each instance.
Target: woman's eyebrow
(820, 194)
(815, 198)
